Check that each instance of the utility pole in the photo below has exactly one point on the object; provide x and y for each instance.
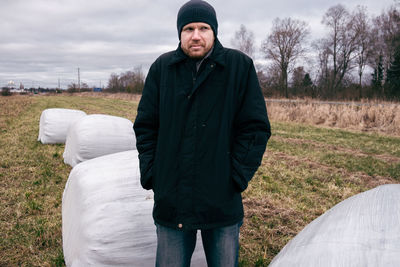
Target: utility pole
(79, 81)
(59, 83)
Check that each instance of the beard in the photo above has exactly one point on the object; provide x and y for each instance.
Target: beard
(196, 50)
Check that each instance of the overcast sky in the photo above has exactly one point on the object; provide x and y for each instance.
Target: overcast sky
(43, 41)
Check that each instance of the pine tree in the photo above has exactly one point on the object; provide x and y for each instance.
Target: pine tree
(307, 84)
(307, 80)
(393, 75)
(377, 76)
(393, 72)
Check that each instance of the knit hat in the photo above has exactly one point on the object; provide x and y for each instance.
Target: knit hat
(197, 11)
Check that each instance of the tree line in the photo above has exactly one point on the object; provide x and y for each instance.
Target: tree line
(130, 81)
(359, 56)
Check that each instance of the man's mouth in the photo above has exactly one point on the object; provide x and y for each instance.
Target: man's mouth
(197, 46)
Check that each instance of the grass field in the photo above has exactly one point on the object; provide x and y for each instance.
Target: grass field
(305, 171)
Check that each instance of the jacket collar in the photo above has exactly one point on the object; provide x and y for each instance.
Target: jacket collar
(217, 55)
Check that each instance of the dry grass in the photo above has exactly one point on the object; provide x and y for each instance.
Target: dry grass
(121, 96)
(305, 171)
(381, 117)
(10, 107)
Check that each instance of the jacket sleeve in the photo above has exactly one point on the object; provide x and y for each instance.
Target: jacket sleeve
(146, 127)
(251, 132)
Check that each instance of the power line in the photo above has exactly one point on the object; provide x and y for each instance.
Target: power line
(79, 80)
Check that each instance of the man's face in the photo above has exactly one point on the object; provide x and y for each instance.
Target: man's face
(197, 39)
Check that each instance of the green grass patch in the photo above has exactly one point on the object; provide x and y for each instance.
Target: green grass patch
(352, 161)
(366, 142)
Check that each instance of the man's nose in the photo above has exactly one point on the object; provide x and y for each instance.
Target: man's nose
(196, 34)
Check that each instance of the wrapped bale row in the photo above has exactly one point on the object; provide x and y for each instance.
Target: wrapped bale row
(106, 215)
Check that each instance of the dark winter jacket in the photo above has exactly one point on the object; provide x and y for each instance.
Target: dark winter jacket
(200, 136)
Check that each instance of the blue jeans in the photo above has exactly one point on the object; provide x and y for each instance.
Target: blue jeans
(175, 247)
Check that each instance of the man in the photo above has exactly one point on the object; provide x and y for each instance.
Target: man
(201, 130)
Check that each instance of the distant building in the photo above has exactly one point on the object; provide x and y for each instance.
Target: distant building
(97, 89)
(13, 89)
(11, 84)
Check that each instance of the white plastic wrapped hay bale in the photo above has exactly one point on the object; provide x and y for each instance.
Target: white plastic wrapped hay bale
(363, 230)
(98, 135)
(55, 123)
(107, 216)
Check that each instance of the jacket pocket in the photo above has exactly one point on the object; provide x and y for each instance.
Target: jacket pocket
(146, 172)
(243, 168)
(255, 152)
(146, 182)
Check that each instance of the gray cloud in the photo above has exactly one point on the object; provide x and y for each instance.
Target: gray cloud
(46, 40)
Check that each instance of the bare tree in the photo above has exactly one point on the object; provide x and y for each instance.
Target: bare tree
(84, 87)
(114, 83)
(285, 45)
(342, 39)
(268, 77)
(136, 81)
(363, 50)
(323, 69)
(335, 19)
(129, 81)
(385, 35)
(297, 78)
(244, 41)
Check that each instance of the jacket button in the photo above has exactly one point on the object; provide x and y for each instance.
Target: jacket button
(188, 97)
(212, 66)
(180, 226)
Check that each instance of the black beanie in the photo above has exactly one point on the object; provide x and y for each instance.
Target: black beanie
(197, 11)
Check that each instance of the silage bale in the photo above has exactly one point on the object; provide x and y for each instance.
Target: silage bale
(98, 135)
(363, 230)
(107, 216)
(55, 123)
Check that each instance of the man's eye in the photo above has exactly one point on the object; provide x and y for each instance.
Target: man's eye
(204, 28)
(188, 29)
